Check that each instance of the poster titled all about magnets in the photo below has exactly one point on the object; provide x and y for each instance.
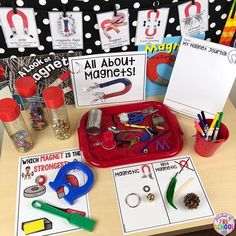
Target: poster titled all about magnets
(158, 194)
(104, 79)
(35, 174)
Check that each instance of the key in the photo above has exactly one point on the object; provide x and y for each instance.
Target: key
(133, 141)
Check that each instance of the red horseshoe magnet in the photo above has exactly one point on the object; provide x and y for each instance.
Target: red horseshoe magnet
(24, 18)
(152, 64)
(187, 8)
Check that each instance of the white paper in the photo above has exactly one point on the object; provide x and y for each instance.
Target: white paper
(193, 18)
(202, 77)
(48, 165)
(151, 26)
(67, 32)
(19, 29)
(157, 176)
(124, 72)
(114, 32)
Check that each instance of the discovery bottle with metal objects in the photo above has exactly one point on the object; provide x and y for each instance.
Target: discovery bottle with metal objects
(27, 90)
(14, 124)
(54, 99)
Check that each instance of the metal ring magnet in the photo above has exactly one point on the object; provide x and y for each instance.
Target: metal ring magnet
(40, 180)
(74, 192)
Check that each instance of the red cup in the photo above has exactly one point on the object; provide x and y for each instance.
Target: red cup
(108, 140)
(205, 148)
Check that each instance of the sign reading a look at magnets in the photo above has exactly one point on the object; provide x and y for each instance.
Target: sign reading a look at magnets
(19, 27)
(113, 78)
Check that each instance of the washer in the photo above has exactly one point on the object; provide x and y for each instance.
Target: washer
(146, 188)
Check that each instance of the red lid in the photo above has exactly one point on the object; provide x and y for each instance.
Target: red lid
(2, 72)
(26, 86)
(9, 109)
(53, 97)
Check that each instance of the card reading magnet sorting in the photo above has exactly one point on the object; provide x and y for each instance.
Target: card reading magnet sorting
(19, 29)
(66, 30)
(114, 29)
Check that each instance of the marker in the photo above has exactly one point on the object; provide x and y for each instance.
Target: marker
(217, 127)
(211, 129)
(205, 122)
(203, 117)
(202, 124)
(199, 129)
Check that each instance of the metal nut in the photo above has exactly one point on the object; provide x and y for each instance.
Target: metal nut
(151, 197)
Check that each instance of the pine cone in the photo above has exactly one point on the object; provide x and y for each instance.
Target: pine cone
(191, 200)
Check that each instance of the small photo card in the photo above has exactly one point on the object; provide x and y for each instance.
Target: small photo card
(151, 26)
(114, 30)
(193, 18)
(66, 30)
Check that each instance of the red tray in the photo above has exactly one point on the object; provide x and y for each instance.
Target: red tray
(100, 157)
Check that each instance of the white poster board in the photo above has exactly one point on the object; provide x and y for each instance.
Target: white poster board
(47, 165)
(133, 182)
(108, 78)
(202, 77)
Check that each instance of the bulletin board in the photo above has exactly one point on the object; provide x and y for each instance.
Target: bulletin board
(218, 11)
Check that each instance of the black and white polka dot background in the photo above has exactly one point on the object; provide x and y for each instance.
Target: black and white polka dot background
(218, 11)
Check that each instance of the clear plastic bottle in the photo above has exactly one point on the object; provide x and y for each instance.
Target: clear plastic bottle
(14, 124)
(54, 99)
(27, 90)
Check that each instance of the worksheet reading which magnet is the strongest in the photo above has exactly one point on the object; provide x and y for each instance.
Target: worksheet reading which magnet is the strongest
(159, 194)
(34, 176)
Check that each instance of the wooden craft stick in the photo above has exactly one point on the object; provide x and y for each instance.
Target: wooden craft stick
(183, 186)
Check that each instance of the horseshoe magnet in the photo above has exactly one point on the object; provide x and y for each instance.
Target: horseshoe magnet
(10, 15)
(74, 192)
(187, 8)
(152, 64)
(154, 31)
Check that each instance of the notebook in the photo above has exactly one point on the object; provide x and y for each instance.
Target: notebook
(202, 77)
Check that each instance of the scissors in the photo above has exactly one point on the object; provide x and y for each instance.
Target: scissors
(137, 118)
